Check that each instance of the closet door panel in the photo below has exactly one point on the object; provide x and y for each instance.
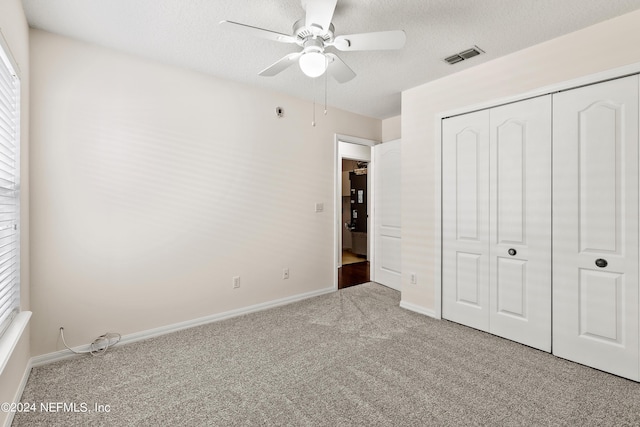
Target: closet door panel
(510, 288)
(465, 192)
(520, 222)
(595, 226)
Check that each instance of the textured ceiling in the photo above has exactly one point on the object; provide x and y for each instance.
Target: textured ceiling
(186, 33)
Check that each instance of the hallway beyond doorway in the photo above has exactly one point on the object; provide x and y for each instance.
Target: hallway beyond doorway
(349, 257)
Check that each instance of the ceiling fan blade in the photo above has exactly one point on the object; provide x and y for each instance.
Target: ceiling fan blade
(280, 65)
(381, 40)
(338, 69)
(257, 32)
(319, 13)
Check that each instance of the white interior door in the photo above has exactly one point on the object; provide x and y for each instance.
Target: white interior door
(595, 226)
(465, 219)
(387, 209)
(520, 222)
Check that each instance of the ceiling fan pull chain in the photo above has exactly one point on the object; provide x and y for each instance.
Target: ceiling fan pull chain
(313, 122)
(325, 85)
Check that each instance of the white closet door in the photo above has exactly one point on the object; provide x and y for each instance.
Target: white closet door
(595, 226)
(387, 209)
(465, 219)
(520, 222)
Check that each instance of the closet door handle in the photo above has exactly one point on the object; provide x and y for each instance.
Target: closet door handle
(602, 263)
(512, 252)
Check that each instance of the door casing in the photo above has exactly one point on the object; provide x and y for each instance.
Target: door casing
(353, 148)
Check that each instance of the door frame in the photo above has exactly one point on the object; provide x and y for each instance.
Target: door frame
(356, 143)
(437, 158)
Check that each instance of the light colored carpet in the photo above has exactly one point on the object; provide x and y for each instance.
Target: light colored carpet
(352, 357)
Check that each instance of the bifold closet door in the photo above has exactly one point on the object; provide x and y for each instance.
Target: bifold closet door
(496, 221)
(465, 219)
(595, 226)
(520, 222)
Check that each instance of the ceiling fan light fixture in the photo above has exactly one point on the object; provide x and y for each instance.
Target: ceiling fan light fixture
(313, 64)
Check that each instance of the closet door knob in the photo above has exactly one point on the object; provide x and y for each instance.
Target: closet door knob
(602, 263)
(512, 252)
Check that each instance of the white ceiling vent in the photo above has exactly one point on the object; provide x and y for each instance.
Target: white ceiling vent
(465, 54)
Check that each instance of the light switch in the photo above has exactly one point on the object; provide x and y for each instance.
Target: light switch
(319, 207)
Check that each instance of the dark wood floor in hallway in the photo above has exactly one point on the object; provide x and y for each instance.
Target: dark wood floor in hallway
(353, 274)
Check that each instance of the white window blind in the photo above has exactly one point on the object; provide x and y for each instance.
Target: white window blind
(9, 190)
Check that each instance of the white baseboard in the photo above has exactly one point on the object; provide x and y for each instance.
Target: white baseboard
(18, 396)
(45, 359)
(419, 309)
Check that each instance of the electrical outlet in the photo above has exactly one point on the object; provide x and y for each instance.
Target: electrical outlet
(236, 282)
(414, 278)
(285, 273)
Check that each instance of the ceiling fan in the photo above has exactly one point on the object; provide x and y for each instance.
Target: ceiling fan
(314, 33)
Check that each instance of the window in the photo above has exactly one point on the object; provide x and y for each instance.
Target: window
(9, 189)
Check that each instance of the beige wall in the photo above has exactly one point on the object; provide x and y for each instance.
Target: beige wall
(153, 186)
(391, 128)
(601, 47)
(16, 33)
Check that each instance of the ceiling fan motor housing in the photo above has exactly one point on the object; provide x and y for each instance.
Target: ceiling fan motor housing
(303, 33)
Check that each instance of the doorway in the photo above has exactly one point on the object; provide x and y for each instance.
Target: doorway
(353, 153)
(355, 266)
(383, 236)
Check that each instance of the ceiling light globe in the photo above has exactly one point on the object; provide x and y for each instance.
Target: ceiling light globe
(313, 64)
